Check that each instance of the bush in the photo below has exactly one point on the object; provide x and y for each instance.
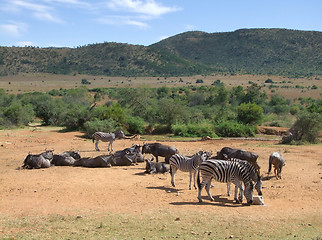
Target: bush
(194, 130)
(91, 127)
(250, 113)
(234, 129)
(135, 125)
(306, 128)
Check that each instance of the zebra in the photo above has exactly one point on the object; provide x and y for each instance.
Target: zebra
(107, 137)
(226, 171)
(253, 173)
(278, 161)
(187, 164)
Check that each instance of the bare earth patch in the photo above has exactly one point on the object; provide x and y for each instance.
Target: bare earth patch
(78, 191)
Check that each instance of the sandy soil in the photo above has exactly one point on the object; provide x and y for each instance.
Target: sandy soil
(71, 190)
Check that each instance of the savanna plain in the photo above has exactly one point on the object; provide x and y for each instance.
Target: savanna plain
(124, 203)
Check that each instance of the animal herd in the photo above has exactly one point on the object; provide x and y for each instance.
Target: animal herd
(229, 165)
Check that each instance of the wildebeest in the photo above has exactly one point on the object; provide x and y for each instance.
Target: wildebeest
(127, 156)
(229, 153)
(158, 149)
(99, 161)
(155, 167)
(67, 158)
(41, 160)
(278, 161)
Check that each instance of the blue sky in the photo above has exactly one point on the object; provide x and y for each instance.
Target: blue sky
(72, 23)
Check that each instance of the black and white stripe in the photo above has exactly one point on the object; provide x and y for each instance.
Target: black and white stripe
(226, 171)
(107, 137)
(253, 174)
(186, 164)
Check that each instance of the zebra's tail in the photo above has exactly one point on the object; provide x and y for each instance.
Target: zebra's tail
(269, 165)
(93, 139)
(198, 178)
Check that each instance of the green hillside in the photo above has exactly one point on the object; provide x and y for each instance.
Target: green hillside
(255, 51)
(113, 59)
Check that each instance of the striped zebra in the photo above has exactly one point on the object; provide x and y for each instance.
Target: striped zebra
(253, 173)
(187, 164)
(226, 171)
(107, 137)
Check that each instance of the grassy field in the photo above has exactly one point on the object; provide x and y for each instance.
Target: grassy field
(289, 88)
(164, 225)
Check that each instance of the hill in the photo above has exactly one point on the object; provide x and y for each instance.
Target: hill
(112, 59)
(252, 51)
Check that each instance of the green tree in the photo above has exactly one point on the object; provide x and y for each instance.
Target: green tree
(250, 113)
(306, 128)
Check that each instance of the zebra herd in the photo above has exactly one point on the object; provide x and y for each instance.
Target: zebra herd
(243, 173)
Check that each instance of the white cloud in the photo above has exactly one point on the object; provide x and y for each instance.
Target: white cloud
(135, 12)
(122, 20)
(13, 29)
(40, 11)
(148, 7)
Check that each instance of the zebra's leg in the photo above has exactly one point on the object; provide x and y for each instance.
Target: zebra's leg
(228, 189)
(208, 184)
(202, 184)
(96, 145)
(190, 176)
(173, 172)
(195, 178)
(110, 145)
(241, 191)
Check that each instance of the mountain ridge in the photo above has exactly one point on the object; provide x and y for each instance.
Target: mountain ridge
(244, 51)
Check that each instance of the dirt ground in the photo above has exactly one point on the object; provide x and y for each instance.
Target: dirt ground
(76, 190)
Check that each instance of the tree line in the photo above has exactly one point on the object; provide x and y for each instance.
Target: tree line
(214, 111)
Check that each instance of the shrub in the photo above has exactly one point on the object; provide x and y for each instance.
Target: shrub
(135, 125)
(194, 130)
(234, 129)
(305, 129)
(250, 113)
(85, 81)
(91, 127)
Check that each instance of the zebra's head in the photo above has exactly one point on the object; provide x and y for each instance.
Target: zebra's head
(119, 134)
(258, 185)
(249, 189)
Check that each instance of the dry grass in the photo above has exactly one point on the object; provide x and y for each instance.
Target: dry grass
(44, 82)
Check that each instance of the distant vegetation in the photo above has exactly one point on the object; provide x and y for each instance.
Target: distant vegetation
(253, 51)
(183, 111)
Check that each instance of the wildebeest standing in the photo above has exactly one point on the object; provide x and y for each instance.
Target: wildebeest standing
(229, 153)
(37, 161)
(158, 149)
(156, 167)
(278, 161)
(67, 158)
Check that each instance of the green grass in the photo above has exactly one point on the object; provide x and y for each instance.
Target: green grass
(163, 225)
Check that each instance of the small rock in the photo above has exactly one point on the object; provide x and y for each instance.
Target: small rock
(79, 216)
(177, 219)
